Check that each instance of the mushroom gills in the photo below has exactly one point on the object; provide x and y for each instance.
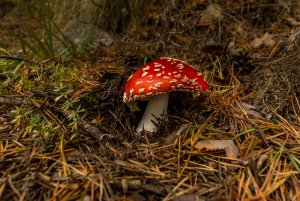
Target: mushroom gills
(156, 109)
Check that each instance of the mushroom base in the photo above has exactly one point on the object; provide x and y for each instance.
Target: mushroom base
(157, 108)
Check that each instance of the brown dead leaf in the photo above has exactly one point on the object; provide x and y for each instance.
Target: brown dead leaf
(292, 21)
(261, 161)
(250, 110)
(227, 145)
(256, 43)
(211, 13)
(266, 39)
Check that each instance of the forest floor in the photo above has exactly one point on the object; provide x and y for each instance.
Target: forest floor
(65, 133)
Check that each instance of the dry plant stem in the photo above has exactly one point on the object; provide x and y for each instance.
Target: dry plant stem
(17, 59)
(175, 135)
(156, 109)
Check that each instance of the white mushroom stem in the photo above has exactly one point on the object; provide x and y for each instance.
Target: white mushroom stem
(156, 109)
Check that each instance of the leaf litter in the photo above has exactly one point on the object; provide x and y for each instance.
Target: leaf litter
(90, 152)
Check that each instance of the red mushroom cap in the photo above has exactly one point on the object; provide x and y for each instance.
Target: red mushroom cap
(162, 76)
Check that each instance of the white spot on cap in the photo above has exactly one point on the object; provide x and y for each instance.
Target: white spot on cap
(168, 58)
(138, 96)
(141, 90)
(178, 76)
(146, 68)
(144, 74)
(199, 74)
(131, 91)
(156, 69)
(173, 81)
(166, 77)
(129, 77)
(150, 77)
(149, 93)
(193, 81)
(185, 78)
(158, 84)
(158, 74)
(151, 87)
(180, 66)
(139, 82)
(149, 81)
(179, 85)
(169, 74)
(157, 64)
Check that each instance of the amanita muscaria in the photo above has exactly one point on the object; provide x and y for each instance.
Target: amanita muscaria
(155, 80)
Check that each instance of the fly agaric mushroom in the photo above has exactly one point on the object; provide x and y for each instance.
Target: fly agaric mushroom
(154, 81)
